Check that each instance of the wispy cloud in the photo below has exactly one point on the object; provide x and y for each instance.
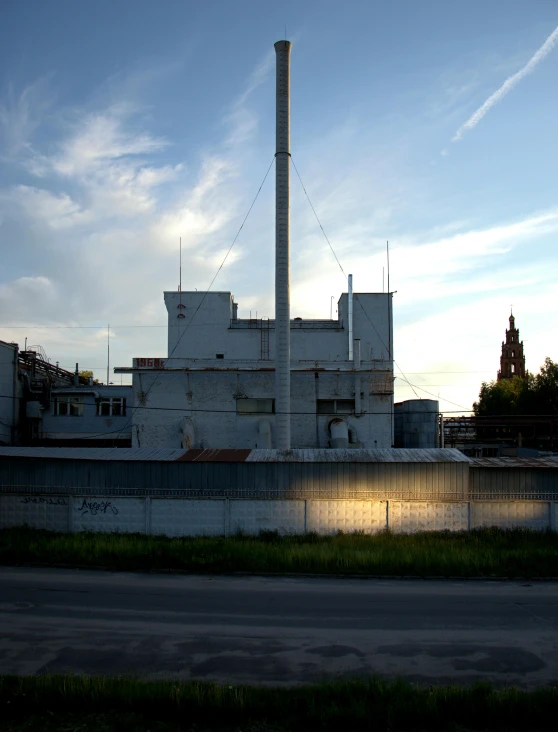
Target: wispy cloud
(508, 85)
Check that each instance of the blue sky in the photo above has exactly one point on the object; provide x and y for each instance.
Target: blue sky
(124, 125)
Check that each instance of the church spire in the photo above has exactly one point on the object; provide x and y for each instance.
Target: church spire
(512, 360)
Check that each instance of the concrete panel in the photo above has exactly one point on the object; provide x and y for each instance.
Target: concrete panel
(39, 512)
(410, 516)
(328, 517)
(286, 517)
(110, 514)
(505, 514)
(176, 517)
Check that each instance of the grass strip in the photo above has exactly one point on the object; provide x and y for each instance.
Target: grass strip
(68, 702)
(487, 552)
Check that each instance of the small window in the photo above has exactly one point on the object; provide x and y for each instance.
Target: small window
(255, 406)
(512, 368)
(336, 406)
(68, 406)
(513, 354)
(111, 407)
(219, 355)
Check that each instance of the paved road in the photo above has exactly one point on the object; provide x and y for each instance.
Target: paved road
(276, 631)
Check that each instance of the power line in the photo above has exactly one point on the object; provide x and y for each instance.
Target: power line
(157, 374)
(413, 387)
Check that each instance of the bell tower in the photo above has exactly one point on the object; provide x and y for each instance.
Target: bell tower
(512, 360)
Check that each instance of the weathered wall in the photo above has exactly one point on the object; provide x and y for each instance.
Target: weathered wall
(208, 401)
(221, 517)
(90, 425)
(9, 391)
(205, 329)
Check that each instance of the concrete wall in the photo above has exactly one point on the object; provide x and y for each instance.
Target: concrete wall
(221, 517)
(205, 329)
(90, 426)
(208, 400)
(9, 393)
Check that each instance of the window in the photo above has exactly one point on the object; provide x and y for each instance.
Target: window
(512, 368)
(219, 355)
(111, 407)
(68, 406)
(255, 406)
(336, 406)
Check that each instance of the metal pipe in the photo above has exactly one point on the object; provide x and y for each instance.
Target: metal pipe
(356, 351)
(282, 245)
(350, 316)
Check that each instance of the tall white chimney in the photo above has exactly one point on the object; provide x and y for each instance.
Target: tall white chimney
(282, 245)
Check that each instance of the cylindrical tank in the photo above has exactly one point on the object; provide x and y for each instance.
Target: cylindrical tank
(416, 423)
(339, 431)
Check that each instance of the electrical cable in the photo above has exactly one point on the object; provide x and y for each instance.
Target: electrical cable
(356, 296)
(206, 292)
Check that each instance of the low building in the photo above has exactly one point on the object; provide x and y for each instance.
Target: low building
(43, 404)
(11, 390)
(216, 387)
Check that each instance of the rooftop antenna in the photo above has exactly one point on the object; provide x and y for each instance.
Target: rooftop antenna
(389, 298)
(108, 352)
(383, 276)
(180, 305)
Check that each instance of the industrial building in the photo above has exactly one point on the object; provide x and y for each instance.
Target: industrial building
(216, 388)
(230, 382)
(43, 404)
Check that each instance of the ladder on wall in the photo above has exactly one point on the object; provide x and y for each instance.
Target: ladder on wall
(264, 339)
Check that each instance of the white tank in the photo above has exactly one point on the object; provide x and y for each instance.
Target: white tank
(339, 431)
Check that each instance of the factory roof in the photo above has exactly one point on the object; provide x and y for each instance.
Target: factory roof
(515, 462)
(325, 455)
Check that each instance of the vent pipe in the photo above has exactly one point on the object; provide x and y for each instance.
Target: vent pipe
(350, 317)
(358, 404)
(282, 244)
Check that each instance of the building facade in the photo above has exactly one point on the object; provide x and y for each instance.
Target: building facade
(216, 387)
(512, 360)
(43, 404)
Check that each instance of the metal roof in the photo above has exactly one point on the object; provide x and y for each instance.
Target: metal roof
(159, 454)
(514, 462)
(359, 455)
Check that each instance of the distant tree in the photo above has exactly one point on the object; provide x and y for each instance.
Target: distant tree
(535, 395)
(504, 397)
(87, 375)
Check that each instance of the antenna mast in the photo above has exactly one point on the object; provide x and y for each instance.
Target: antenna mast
(108, 353)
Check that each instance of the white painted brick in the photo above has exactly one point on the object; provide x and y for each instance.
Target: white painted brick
(328, 517)
(179, 517)
(38, 511)
(411, 516)
(286, 517)
(108, 513)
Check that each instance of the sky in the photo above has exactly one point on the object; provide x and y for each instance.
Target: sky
(126, 125)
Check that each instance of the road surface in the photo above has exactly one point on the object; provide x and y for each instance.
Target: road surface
(277, 631)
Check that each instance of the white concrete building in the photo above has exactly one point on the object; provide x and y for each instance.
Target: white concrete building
(216, 388)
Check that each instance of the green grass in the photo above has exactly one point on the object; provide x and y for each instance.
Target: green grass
(481, 552)
(66, 702)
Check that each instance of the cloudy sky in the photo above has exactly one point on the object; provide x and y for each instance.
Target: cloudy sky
(127, 124)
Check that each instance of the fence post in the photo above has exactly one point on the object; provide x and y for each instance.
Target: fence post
(227, 516)
(305, 516)
(468, 515)
(387, 515)
(71, 514)
(147, 514)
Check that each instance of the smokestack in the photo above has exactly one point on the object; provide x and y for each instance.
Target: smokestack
(350, 316)
(282, 245)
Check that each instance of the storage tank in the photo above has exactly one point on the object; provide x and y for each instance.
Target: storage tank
(416, 423)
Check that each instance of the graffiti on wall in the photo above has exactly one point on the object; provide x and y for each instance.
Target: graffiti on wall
(49, 500)
(95, 507)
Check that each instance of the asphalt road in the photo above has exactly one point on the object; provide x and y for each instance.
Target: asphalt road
(276, 630)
